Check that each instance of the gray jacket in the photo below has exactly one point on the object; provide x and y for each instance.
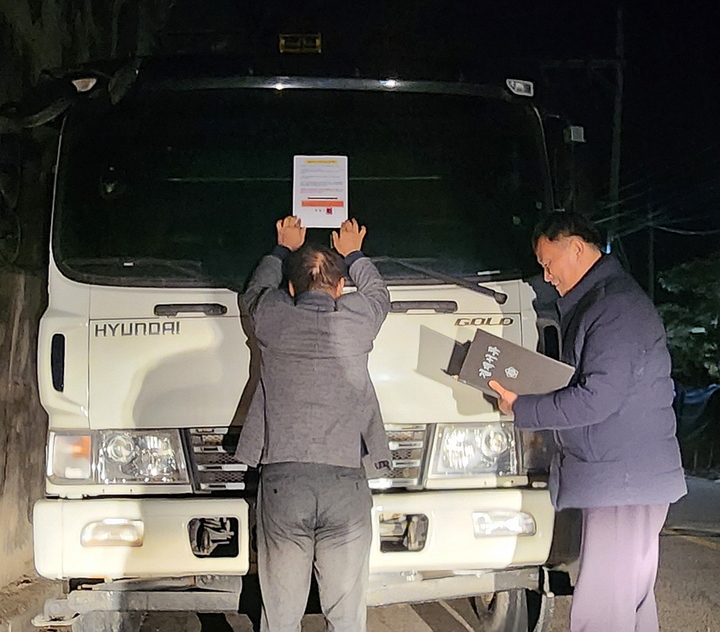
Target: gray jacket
(315, 402)
(614, 422)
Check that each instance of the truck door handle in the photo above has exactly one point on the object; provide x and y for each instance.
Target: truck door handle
(441, 307)
(173, 309)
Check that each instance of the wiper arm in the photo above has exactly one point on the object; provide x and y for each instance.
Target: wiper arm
(191, 268)
(188, 268)
(500, 297)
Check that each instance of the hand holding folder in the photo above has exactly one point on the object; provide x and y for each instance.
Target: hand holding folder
(506, 398)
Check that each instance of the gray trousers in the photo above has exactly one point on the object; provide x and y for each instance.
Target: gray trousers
(313, 516)
(615, 590)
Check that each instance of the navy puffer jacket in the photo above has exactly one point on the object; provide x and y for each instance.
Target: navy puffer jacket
(614, 422)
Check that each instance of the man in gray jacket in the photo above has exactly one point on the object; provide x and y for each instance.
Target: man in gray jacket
(618, 458)
(312, 419)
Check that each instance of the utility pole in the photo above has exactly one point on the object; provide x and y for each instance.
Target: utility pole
(596, 69)
(651, 253)
(614, 190)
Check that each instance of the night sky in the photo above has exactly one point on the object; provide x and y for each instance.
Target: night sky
(670, 132)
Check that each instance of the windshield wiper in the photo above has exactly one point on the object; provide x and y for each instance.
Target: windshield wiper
(500, 297)
(191, 269)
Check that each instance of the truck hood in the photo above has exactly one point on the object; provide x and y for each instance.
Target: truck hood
(194, 367)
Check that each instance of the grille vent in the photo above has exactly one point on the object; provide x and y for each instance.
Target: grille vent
(215, 468)
(407, 444)
(212, 456)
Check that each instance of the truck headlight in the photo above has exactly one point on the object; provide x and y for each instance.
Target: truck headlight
(141, 457)
(116, 457)
(474, 449)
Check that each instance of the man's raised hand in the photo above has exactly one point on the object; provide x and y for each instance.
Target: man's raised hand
(349, 238)
(290, 232)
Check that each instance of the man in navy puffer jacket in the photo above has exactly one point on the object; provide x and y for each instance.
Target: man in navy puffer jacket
(619, 459)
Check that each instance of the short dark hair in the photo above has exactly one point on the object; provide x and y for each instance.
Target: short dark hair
(557, 224)
(314, 268)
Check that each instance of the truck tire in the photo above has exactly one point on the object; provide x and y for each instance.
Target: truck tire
(513, 611)
(102, 621)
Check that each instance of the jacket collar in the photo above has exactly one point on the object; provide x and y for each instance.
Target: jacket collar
(316, 300)
(605, 267)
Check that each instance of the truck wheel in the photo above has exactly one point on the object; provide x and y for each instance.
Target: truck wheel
(101, 621)
(513, 611)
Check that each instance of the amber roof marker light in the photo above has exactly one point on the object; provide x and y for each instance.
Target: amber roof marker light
(305, 43)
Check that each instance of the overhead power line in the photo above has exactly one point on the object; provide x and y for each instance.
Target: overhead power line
(680, 231)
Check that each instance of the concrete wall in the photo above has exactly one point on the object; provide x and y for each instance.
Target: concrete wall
(22, 420)
(38, 35)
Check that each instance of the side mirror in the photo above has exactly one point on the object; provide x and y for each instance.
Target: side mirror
(567, 152)
(26, 168)
(574, 134)
(10, 179)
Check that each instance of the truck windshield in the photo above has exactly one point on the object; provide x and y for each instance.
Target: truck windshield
(183, 187)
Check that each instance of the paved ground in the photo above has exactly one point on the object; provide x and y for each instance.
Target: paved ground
(688, 588)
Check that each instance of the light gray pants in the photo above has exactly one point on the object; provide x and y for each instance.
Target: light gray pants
(615, 590)
(312, 515)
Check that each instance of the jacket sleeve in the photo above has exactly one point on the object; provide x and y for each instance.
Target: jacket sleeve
(267, 276)
(605, 378)
(371, 287)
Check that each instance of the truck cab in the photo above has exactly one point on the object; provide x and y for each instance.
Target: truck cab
(166, 194)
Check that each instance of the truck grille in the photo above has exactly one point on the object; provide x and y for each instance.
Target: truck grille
(215, 469)
(407, 444)
(212, 459)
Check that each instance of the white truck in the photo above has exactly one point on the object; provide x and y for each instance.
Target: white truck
(167, 187)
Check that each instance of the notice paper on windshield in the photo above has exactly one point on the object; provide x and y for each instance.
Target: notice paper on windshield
(320, 190)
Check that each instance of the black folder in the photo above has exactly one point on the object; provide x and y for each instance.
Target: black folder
(514, 367)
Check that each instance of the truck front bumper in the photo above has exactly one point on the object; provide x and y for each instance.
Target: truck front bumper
(455, 561)
(145, 537)
(452, 542)
(451, 545)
